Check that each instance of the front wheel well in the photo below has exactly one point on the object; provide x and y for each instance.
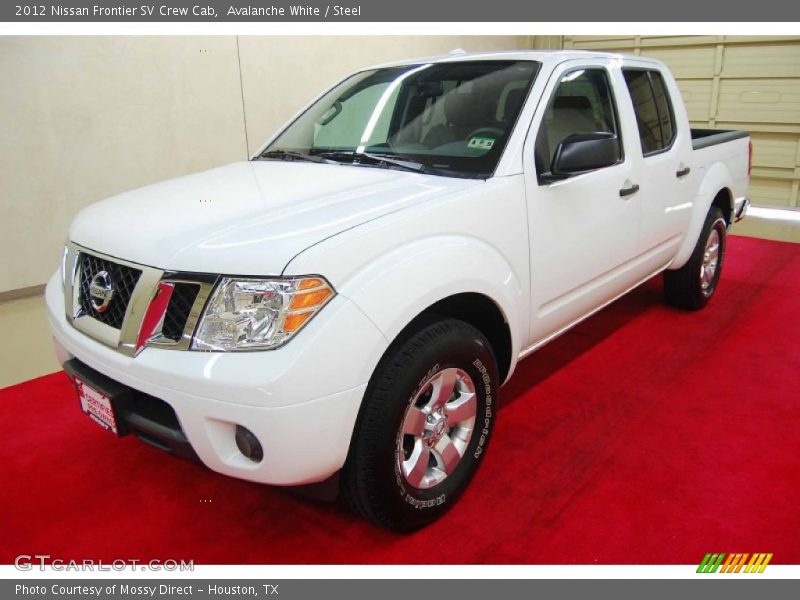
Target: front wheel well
(479, 311)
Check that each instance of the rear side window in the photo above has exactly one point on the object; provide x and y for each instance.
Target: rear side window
(653, 109)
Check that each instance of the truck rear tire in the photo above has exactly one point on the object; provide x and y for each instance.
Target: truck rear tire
(693, 285)
(423, 427)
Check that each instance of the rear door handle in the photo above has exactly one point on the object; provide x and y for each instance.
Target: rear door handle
(683, 172)
(629, 190)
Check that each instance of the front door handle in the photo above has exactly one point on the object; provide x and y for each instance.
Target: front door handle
(629, 190)
(683, 172)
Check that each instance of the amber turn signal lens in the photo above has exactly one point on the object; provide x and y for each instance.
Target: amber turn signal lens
(295, 321)
(310, 299)
(307, 284)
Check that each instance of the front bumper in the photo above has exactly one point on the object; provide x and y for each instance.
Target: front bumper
(301, 401)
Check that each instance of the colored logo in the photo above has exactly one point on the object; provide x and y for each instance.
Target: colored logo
(734, 563)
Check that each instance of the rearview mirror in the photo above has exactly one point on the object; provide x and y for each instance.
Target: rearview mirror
(582, 152)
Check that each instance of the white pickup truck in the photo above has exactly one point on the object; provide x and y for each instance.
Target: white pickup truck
(342, 309)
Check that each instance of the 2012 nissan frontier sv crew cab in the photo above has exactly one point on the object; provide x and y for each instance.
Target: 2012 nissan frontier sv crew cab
(344, 306)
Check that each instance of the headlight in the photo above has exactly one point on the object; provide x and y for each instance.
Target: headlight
(259, 314)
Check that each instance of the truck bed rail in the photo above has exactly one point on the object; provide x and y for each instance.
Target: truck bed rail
(703, 138)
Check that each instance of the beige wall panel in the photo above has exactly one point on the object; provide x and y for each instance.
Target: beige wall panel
(759, 100)
(774, 149)
(574, 40)
(686, 62)
(771, 172)
(760, 127)
(600, 42)
(762, 39)
(767, 60)
(770, 191)
(87, 117)
(618, 43)
(280, 75)
(679, 40)
(697, 98)
(555, 42)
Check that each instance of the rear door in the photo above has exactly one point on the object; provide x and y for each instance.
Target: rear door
(584, 230)
(669, 176)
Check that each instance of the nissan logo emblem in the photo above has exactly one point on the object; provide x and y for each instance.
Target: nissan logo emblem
(101, 290)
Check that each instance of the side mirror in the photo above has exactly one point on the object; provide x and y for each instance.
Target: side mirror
(582, 152)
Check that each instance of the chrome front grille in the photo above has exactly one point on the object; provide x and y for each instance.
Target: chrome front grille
(124, 280)
(118, 320)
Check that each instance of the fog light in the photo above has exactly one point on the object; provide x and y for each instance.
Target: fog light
(248, 444)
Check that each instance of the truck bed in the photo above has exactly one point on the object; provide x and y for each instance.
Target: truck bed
(703, 138)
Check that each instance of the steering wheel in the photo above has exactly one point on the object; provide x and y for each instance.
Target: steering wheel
(492, 131)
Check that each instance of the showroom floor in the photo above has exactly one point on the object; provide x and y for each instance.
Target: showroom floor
(645, 435)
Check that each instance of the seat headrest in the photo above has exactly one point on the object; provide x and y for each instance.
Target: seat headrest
(467, 108)
(575, 102)
(514, 100)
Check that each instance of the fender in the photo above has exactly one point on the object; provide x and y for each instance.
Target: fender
(715, 179)
(397, 286)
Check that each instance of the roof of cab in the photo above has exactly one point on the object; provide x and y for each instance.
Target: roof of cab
(543, 56)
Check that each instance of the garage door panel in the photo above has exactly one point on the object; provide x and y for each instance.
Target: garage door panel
(759, 100)
(772, 173)
(774, 149)
(770, 60)
(769, 191)
(678, 40)
(608, 43)
(687, 62)
(696, 97)
(617, 43)
(760, 127)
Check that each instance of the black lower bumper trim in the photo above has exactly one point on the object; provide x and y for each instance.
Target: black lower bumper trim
(148, 418)
(160, 436)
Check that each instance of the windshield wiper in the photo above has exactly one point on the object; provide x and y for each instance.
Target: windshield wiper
(291, 155)
(375, 159)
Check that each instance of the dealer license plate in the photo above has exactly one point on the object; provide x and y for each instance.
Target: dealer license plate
(97, 405)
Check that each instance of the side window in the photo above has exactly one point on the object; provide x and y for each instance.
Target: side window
(653, 110)
(664, 107)
(582, 103)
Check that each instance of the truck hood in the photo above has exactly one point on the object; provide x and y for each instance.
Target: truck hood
(248, 218)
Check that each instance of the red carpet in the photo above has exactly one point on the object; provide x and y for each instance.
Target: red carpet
(646, 435)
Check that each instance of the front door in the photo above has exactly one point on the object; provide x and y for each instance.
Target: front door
(583, 230)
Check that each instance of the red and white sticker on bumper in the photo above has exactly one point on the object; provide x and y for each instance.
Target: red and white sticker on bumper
(97, 406)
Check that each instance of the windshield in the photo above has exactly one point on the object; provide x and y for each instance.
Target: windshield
(450, 118)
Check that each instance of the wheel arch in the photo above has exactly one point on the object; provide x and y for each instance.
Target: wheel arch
(453, 276)
(715, 190)
(724, 201)
(474, 308)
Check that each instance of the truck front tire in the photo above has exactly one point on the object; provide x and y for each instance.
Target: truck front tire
(423, 427)
(693, 285)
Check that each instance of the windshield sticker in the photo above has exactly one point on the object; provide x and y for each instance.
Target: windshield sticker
(480, 142)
